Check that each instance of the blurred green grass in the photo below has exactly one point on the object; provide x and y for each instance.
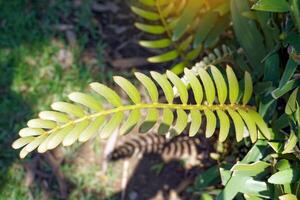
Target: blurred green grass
(33, 74)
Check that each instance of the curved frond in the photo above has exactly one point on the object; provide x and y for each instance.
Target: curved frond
(216, 102)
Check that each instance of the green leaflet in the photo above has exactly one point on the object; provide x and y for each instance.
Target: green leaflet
(291, 143)
(156, 44)
(58, 138)
(181, 121)
(132, 120)
(224, 125)
(272, 5)
(154, 29)
(150, 121)
(68, 108)
(260, 123)
(54, 116)
(129, 89)
(250, 169)
(86, 100)
(290, 107)
(110, 95)
(41, 123)
(179, 85)
(167, 120)
(220, 84)
(248, 88)
(233, 85)
(91, 129)
(208, 84)
(111, 125)
(168, 56)
(195, 85)
(73, 135)
(144, 13)
(211, 123)
(250, 124)
(35, 143)
(165, 85)
(26, 132)
(238, 124)
(196, 120)
(149, 85)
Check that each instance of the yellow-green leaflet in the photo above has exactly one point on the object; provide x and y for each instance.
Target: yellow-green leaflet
(195, 85)
(149, 85)
(92, 129)
(181, 121)
(260, 123)
(41, 123)
(144, 13)
(153, 29)
(68, 108)
(22, 142)
(167, 120)
(164, 84)
(110, 95)
(220, 84)
(168, 56)
(132, 120)
(25, 132)
(111, 125)
(129, 89)
(291, 143)
(238, 124)
(251, 126)
(54, 116)
(156, 44)
(35, 143)
(150, 120)
(208, 86)
(233, 85)
(248, 89)
(86, 100)
(196, 120)
(73, 135)
(211, 123)
(224, 125)
(179, 85)
(58, 138)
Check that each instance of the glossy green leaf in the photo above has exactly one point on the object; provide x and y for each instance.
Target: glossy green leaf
(291, 143)
(129, 89)
(183, 94)
(111, 96)
(285, 177)
(164, 84)
(289, 71)
(271, 5)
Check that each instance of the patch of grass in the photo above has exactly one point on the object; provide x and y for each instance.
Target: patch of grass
(38, 66)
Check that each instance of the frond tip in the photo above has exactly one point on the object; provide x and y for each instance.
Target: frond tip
(217, 98)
